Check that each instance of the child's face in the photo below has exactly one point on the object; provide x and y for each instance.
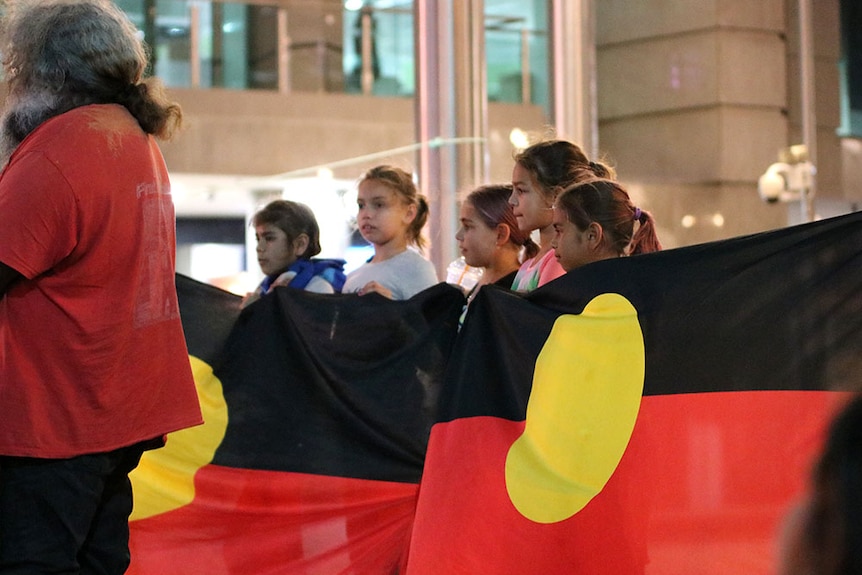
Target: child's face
(571, 245)
(531, 208)
(274, 254)
(383, 216)
(476, 240)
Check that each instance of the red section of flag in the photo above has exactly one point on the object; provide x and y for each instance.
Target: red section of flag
(701, 488)
(247, 522)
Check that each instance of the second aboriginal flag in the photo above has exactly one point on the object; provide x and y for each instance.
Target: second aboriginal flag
(655, 414)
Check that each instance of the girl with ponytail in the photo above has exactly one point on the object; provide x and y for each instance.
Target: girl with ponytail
(391, 216)
(596, 220)
(541, 172)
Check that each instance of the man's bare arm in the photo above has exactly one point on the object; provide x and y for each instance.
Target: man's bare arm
(8, 276)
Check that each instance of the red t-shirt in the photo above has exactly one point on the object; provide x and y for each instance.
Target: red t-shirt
(92, 351)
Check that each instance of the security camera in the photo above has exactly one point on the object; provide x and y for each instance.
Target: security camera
(786, 182)
(791, 179)
(774, 182)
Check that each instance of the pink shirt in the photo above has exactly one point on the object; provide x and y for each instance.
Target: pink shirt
(92, 352)
(537, 272)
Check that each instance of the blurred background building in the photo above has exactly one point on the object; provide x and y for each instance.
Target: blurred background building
(690, 100)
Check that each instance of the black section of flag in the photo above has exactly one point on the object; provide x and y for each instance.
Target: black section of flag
(337, 385)
(208, 314)
(778, 310)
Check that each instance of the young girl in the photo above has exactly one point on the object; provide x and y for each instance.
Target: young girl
(595, 220)
(489, 236)
(540, 172)
(287, 237)
(391, 216)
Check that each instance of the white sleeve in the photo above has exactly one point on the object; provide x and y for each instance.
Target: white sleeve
(319, 285)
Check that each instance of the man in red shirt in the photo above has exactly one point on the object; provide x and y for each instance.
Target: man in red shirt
(93, 364)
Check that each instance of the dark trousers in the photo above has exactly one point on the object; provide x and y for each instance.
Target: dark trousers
(66, 515)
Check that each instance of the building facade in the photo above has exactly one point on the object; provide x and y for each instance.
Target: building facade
(691, 101)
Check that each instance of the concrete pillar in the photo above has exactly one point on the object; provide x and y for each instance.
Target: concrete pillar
(451, 113)
(573, 73)
(693, 108)
(471, 94)
(314, 35)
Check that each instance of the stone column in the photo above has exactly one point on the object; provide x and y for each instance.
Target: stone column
(573, 72)
(693, 103)
(451, 116)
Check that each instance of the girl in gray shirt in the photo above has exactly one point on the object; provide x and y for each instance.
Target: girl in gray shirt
(391, 216)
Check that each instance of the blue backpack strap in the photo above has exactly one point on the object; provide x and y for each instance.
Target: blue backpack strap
(266, 284)
(331, 270)
(304, 272)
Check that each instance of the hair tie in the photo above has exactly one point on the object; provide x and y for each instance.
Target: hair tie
(637, 215)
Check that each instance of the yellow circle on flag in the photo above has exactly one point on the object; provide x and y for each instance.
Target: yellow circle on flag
(585, 398)
(164, 480)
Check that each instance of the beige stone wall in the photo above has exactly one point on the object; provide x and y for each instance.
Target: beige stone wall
(696, 99)
(691, 109)
(265, 133)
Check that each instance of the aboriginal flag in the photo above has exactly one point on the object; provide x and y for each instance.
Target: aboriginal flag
(317, 413)
(652, 414)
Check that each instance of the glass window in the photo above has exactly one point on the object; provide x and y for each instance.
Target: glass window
(166, 25)
(134, 9)
(850, 69)
(227, 54)
(237, 46)
(171, 57)
(516, 51)
(390, 43)
(231, 55)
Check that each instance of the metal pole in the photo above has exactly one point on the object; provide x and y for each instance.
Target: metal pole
(471, 96)
(435, 124)
(573, 72)
(283, 52)
(526, 72)
(426, 109)
(194, 48)
(481, 165)
(150, 34)
(367, 57)
(809, 118)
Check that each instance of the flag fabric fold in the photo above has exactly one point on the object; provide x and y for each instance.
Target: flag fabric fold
(336, 385)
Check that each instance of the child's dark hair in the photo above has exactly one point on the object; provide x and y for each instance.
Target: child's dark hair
(557, 164)
(293, 218)
(608, 204)
(402, 184)
(491, 202)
